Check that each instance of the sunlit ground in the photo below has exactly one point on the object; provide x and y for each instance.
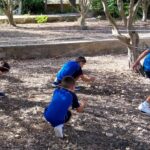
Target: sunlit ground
(110, 121)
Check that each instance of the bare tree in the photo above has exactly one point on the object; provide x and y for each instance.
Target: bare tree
(7, 7)
(73, 3)
(45, 6)
(20, 7)
(131, 40)
(61, 6)
(83, 10)
(145, 6)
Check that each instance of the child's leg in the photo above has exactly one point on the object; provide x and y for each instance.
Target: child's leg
(68, 116)
(56, 83)
(59, 130)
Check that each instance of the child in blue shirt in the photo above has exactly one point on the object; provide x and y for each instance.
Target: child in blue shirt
(72, 68)
(142, 64)
(57, 113)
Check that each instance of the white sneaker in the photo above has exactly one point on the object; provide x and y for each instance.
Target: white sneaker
(59, 131)
(145, 107)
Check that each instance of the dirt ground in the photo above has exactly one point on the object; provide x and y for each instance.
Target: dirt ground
(110, 121)
(61, 31)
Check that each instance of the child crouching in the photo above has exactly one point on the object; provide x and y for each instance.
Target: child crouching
(57, 113)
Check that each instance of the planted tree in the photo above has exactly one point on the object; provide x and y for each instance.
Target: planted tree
(7, 7)
(61, 6)
(20, 7)
(84, 6)
(45, 6)
(73, 3)
(131, 40)
(145, 6)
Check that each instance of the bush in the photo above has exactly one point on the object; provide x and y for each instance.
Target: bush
(33, 6)
(113, 8)
(97, 7)
(41, 19)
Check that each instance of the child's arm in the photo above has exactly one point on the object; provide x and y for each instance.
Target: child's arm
(142, 55)
(82, 105)
(87, 78)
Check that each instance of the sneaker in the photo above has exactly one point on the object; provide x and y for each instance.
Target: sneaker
(59, 131)
(2, 94)
(77, 88)
(144, 107)
(55, 85)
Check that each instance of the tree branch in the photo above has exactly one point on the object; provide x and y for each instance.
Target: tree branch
(130, 17)
(109, 17)
(121, 11)
(135, 8)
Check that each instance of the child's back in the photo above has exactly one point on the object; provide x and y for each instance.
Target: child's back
(58, 107)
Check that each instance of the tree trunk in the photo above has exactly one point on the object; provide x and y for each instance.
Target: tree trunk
(20, 7)
(61, 6)
(45, 6)
(73, 3)
(82, 21)
(145, 11)
(133, 47)
(9, 14)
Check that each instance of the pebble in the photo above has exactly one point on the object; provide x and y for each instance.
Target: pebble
(109, 134)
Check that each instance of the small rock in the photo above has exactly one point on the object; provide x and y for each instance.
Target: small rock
(109, 134)
(17, 136)
(127, 148)
(139, 128)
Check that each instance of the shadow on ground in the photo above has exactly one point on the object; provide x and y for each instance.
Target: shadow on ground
(110, 121)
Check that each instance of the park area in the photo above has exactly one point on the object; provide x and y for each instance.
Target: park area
(38, 37)
(110, 121)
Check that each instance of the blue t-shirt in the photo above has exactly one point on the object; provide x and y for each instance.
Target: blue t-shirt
(70, 68)
(146, 63)
(57, 109)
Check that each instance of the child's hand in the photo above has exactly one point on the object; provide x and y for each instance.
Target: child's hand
(84, 102)
(135, 68)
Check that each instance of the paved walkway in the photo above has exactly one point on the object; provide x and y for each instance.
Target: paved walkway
(60, 32)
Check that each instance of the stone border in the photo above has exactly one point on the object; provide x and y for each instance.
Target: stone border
(22, 19)
(63, 49)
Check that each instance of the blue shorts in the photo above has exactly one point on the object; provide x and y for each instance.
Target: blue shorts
(56, 123)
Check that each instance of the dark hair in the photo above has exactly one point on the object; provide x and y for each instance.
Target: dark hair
(67, 82)
(4, 67)
(81, 59)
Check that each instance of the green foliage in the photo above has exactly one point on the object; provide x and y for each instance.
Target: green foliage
(41, 19)
(33, 6)
(113, 9)
(97, 8)
(1, 12)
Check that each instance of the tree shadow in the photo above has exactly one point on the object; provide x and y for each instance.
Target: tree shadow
(11, 79)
